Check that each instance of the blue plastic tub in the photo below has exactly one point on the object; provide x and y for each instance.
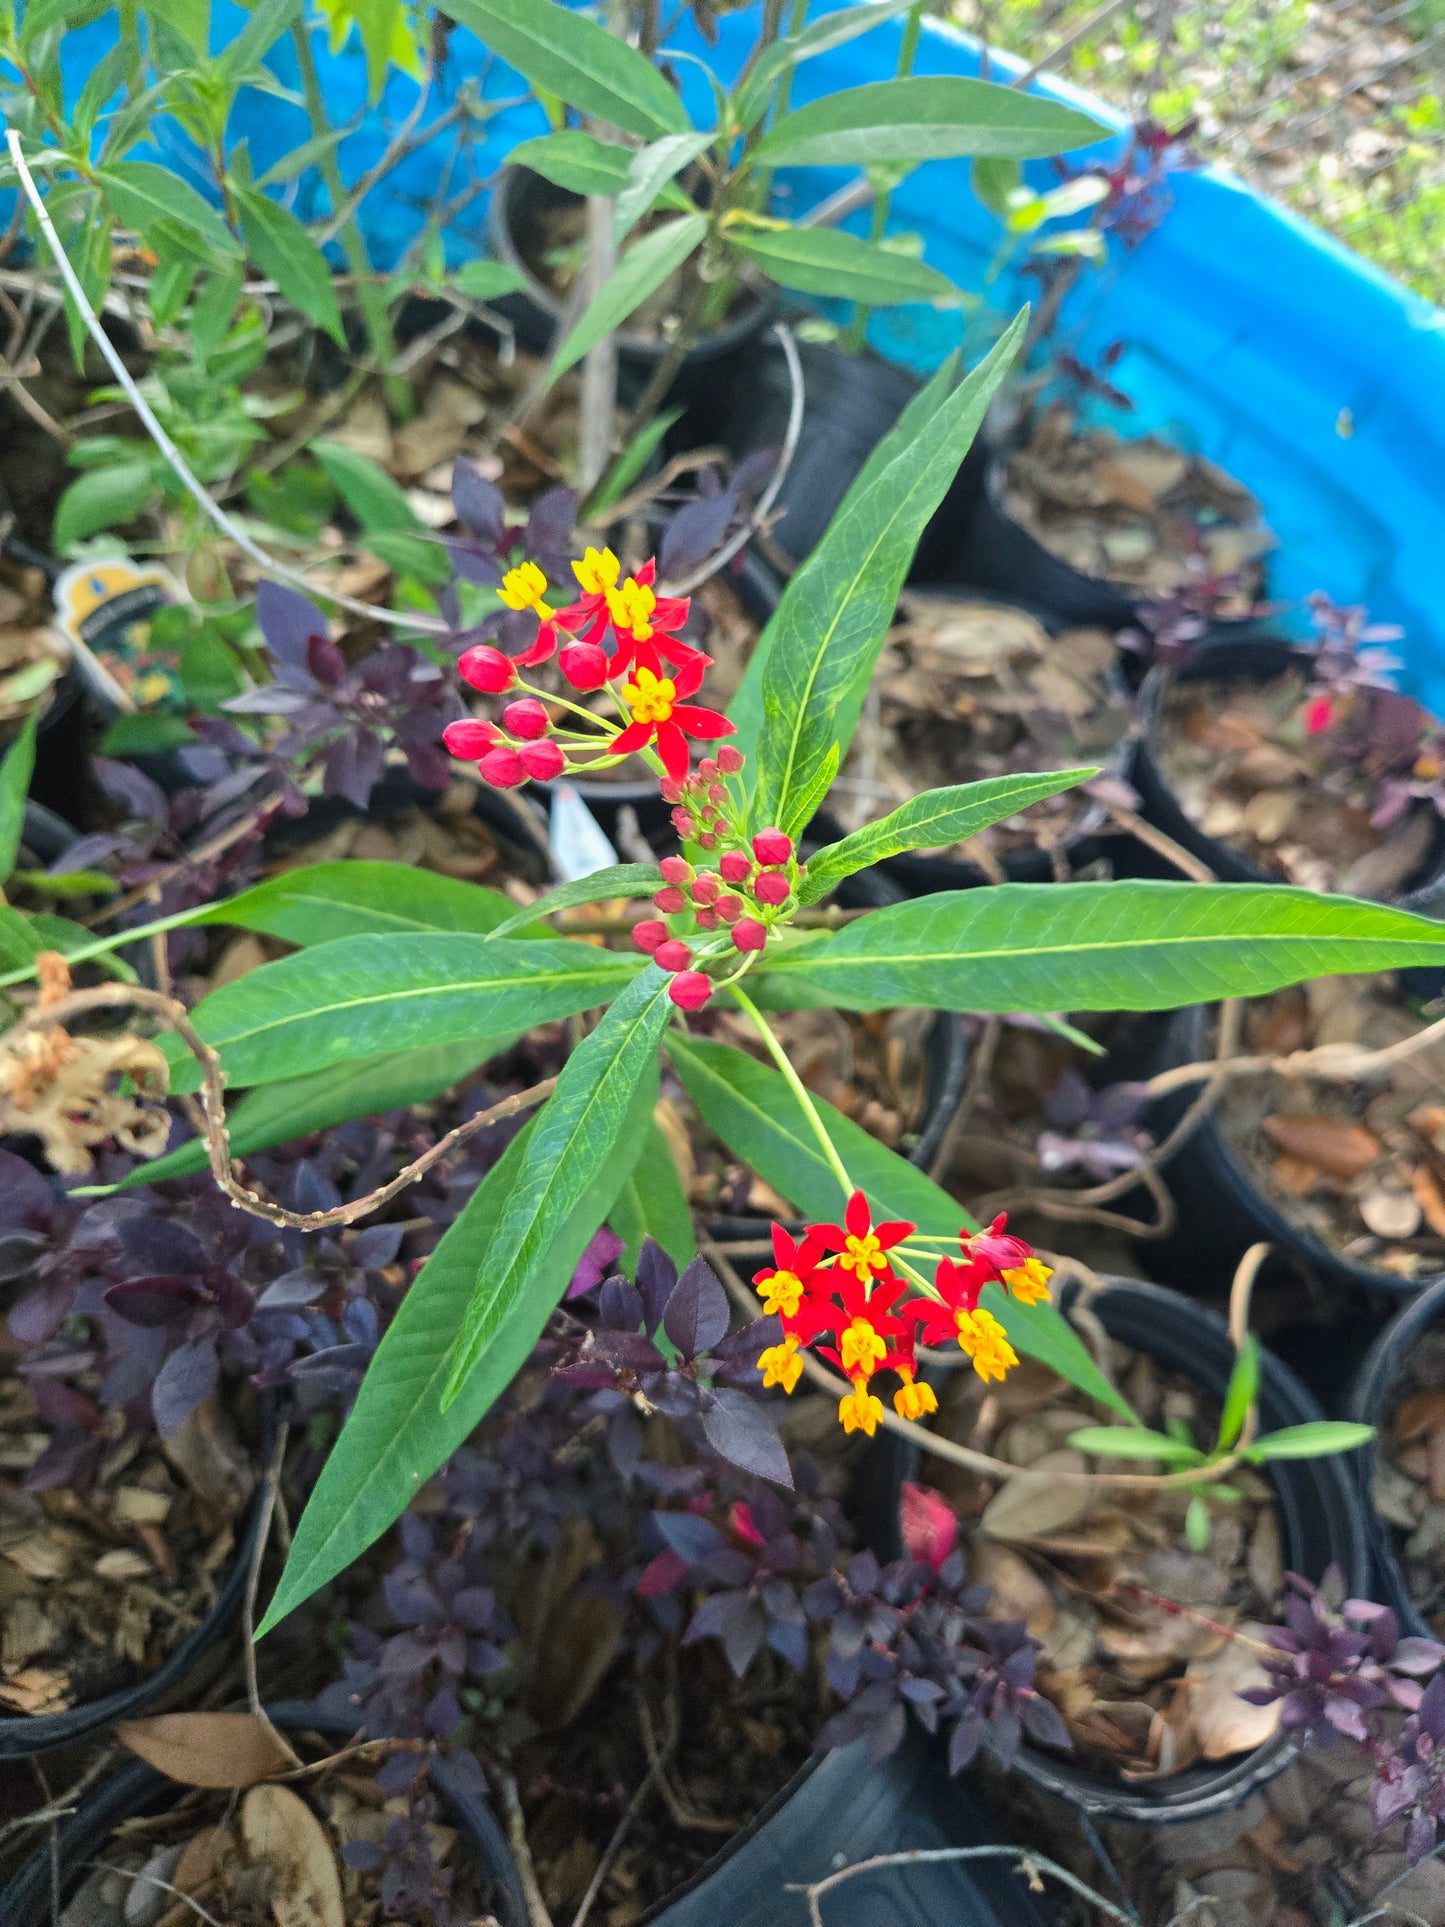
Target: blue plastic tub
(1251, 336)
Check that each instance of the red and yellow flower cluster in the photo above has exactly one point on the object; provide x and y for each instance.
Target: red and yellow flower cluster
(649, 674)
(840, 1282)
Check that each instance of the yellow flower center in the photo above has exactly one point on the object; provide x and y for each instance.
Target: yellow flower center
(650, 697)
(1427, 768)
(524, 588)
(597, 571)
(783, 1292)
(631, 606)
(781, 1365)
(983, 1338)
(863, 1256)
(913, 1401)
(860, 1411)
(861, 1348)
(1029, 1282)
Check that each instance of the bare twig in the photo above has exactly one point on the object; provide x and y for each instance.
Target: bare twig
(1336, 1063)
(1161, 844)
(1030, 1864)
(656, 1767)
(266, 1507)
(537, 1913)
(144, 1879)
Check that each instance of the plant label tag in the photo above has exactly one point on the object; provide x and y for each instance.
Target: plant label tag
(105, 609)
(579, 846)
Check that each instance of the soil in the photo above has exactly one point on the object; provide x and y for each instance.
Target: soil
(1140, 513)
(1361, 1165)
(1409, 1488)
(98, 1586)
(1146, 1643)
(1245, 769)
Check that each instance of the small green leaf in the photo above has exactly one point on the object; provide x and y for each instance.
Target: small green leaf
(282, 249)
(487, 280)
(1312, 1441)
(629, 464)
(70, 883)
(618, 880)
(652, 1204)
(1240, 1394)
(15, 773)
(296, 160)
(265, 24)
(146, 733)
(926, 117)
(642, 270)
(933, 820)
(994, 179)
(1198, 1526)
(752, 97)
(1133, 1442)
(102, 499)
(140, 194)
(570, 55)
(650, 172)
(576, 161)
(830, 262)
(378, 503)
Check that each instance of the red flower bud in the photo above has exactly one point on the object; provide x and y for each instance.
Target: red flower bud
(749, 934)
(676, 869)
(542, 761)
(705, 887)
(707, 918)
(469, 739)
(771, 887)
(706, 840)
(584, 664)
(486, 668)
(690, 990)
(670, 901)
(734, 867)
(771, 846)
(729, 907)
(502, 768)
(718, 793)
(682, 821)
(707, 768)
(671, 791)
(730, 760)
(527, 719)
(672, 955)
(649, 934)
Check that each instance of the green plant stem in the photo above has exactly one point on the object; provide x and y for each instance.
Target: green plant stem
(796, 1085)
(369, 297)
(857, 334)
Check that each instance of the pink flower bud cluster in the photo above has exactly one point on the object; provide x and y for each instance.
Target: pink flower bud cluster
(521, 748)
(746, 880)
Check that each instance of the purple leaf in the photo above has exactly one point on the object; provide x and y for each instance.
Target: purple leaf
(697, 1312)
(39, 1312)
(325, 661)
(695, 531)
(742, 1431)
(188, 1376)
(376, 1247)
(690, 1537)
(620, 1305)
(603, 1249)
(479, 504)
(353, 766)
(289, 622)
(157, 1244)
(656, 1278)
(291, 1290)
(26, 1203)
(549, 527)
(153, 1301)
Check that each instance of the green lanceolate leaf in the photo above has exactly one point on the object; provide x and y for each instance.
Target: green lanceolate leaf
(1313, 1441)
(927, 117)
(1240, 1394)
(282, 249)
(618, 880)
(487, 280)
(277, 1113)
(398, 1434)
(751, 1108)
(354, 898)
(629, 464)
(377, 501)
(933, 820)
(15, 773)
(577, 161)
(1076, 946)
(365, 996)
(829, 261)
(819, 650)
(650, 172)
(25, 933)
(140, 193)
(102, 499)
(831, 31)
(577, 1134)
(566, 54)
(641, 272)
(1133, 1442)
(652, 1204)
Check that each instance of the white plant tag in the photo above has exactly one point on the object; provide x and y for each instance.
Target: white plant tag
(579, 847)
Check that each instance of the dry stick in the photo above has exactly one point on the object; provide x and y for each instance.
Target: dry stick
(217, 1135)
(266, 1507)
(655, 1770)
(144, 1879)
(204, 500)
(1341, 1063)
(1030, 1863)
(629, 505)
(537, 1912)
(1161, 844)
(763, 506)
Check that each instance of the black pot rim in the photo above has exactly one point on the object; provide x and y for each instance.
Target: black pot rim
(26, 1900)
(644, 349)
(1366, 1403)
(20, 1737)
(1184, 1042)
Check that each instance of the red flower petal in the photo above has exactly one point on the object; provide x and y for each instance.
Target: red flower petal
(647, 574)
(540, 650)
(672, 748)
(858, 1218)
(687, 676)
(633, 737)
(893, 1231)
(705, 723)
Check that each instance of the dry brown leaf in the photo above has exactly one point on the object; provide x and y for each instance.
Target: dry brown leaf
(1225, 1723)
(1335, 1144)
(1018, 1592)
(1038, 1503)
(1419, 1415)
(282, 1833)
(208, 1749)
(1429, 1197)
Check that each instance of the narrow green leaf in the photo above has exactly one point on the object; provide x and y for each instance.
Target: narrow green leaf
(1133, 1442)
(487, 280)
(1126, 945)
(640, 272)
(577, 1134)
(363, 996)
(1313, 1441)
(1240, 1394)
(103, 498)
(266, 23)
(140, 193)
(926, 117)
(751, 1108)
(629, 464)
(652, 1204)
(1198, 1526)
(296, 160)
(650, 172)
(25, 933)
(15, 773)
(571, 56)
(397, 1434)
(277, 1113)
(374, 498)
(354, 897)
(820, 648)
(831, 31)
(618, 880)
(831, 262)
(576, 161)
(282, 249)
(994, 180)
(933, 820)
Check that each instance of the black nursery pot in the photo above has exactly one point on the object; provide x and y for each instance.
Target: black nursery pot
(138, 1791)
(522, 199)
(1221, 1209)
(1321, 1522)
(1369, 1401)
(20, 1737)
(999, 553)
